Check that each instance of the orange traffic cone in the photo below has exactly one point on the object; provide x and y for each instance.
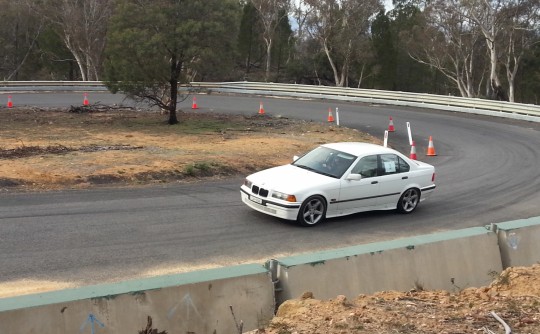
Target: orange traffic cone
(391, 125)
(413, 151)
(261, 109)
(330, 116)
(85, 99)
(194, 104)
(431, 148)
(9, 102)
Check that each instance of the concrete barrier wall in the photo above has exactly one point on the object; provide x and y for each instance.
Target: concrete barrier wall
(519, 242)
(449, 260)
(198, 302)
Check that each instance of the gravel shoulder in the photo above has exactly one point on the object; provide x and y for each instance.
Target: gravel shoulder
(44, 149)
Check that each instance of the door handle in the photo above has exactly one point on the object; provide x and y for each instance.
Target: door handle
(374, 182)
(405, 178)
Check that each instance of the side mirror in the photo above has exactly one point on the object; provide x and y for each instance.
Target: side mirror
(354, 177)
(294, 158)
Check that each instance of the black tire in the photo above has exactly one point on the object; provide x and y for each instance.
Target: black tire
(409, 200)
(312, 211)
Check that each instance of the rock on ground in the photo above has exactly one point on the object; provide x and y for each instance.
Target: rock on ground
(513, 296)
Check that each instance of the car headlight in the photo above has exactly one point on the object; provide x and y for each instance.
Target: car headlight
(284, 197)
(248, 183)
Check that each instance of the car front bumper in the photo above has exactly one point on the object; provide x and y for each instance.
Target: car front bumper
(284, 211)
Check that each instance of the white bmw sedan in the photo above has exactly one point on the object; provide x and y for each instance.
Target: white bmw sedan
(339, 179)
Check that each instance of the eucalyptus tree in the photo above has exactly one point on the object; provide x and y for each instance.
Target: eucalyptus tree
(303, 65)
(341, 27)
(408, 75)
(250, 40)
(386, 51)
(299, 15)
(271, 13)
(82, 25)
(155, 45)
(529, 75)
(283, 47)
(54, 59)
(501, 22)
(449, 42)
(19, 33)
(521, 19)
(484, 13)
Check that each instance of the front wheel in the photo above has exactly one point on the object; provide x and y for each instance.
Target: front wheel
(409, 200)
(312, 211)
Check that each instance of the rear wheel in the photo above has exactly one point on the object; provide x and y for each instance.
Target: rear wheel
(312, 211)
(409, 200)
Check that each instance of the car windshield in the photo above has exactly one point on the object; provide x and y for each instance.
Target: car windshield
(326, 161)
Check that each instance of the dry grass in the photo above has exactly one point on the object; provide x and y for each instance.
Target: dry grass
(53, 149)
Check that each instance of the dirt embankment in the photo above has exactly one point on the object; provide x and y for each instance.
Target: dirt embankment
(44, 149)
(513, 297)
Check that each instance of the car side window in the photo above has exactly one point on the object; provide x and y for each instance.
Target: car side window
(392, 164)
(403, 166)
(367, 166)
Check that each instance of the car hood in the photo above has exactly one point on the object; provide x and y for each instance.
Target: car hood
(290, 179)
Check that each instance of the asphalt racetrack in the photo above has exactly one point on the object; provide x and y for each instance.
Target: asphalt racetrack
(488, 171)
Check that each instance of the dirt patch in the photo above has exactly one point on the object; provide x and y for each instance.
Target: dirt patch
(44, 149)
(513, 296)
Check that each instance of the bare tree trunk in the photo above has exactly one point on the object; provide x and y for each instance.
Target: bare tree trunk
(269, 12)
(361, 75)
(340, 77)
(343, 77)
(485, 17)
(268, 59)
(83, 26)
(332, 64)
(76, 55)
(511, 71)
(493, 76)
(344, 82)
(340, 27)
(176, 68)
(173, 119)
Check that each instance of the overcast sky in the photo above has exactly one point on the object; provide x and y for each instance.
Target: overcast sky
(388, 4)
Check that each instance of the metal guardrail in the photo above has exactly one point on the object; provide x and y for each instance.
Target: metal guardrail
(528, 112)
(40, 86)
(519, 111)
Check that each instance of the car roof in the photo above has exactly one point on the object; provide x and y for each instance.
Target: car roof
(359, 149)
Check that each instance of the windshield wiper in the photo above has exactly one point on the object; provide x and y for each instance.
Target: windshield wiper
(314, 170)
(306, 167)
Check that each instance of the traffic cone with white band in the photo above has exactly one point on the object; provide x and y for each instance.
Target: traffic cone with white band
(431, 148)
(413, 151)
(391, 125)
(330, 116)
